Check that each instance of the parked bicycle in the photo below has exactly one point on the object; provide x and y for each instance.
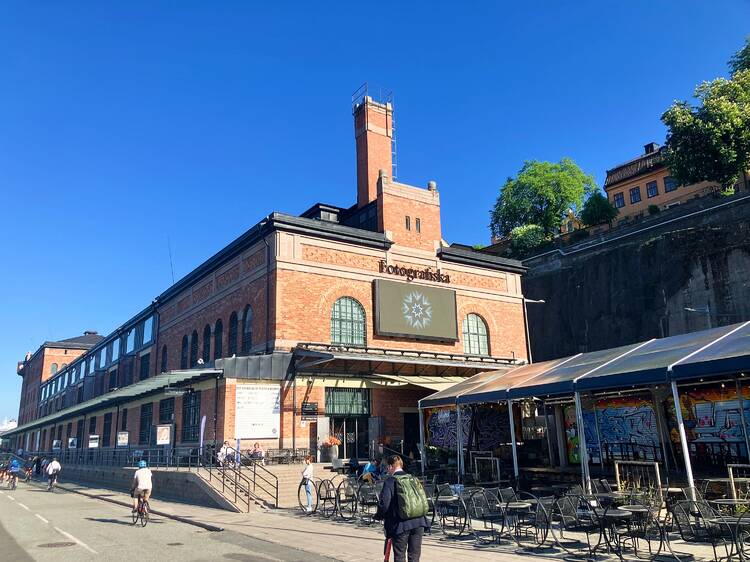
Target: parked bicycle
(141, 513)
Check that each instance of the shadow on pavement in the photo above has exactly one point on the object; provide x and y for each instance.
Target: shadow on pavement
(119, 521)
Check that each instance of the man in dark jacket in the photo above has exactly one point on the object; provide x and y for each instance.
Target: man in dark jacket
(405, 534)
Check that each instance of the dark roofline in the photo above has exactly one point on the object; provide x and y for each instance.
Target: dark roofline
(659, 161)
(480, 259)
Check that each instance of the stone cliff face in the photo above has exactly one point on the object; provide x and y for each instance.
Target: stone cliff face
(636, 288)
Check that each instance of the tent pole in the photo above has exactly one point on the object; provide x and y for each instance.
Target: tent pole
(459, 440)
(660, 431)
(683, 438)
(582, 451)
(422, 448)
(741, 402)
(549, 437)
(513, 438)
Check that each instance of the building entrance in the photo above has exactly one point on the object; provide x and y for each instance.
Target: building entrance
(353, 433)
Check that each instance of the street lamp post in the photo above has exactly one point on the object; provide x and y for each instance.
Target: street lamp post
(526, 323)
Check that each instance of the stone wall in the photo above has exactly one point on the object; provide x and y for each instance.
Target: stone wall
(637, 287)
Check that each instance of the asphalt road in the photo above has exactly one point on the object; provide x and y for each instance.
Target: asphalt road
(63, 526)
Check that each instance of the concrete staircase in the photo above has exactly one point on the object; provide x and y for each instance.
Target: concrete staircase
(289, 476)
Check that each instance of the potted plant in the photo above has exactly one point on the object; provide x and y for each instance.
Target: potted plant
(329, 448)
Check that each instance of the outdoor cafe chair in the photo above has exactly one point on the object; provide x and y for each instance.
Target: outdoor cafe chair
(450, 509)
(485, 516)
(696, 521)
(529, 519)
(368, 495)
(642, 531)
(575, 526)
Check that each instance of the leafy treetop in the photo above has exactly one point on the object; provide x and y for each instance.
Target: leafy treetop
(597, 210)
(540, 195)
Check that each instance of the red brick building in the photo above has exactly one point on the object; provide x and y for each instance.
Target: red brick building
(333, 322)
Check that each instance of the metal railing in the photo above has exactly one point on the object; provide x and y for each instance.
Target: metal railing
(629, 451)
(237, 481)
(260, 477)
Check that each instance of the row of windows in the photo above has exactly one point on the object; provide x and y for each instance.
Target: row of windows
(135, 338)
(190, 350)
(348, 327)
(652, 190)
(189, 431)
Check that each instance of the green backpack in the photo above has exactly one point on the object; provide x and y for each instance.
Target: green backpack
(412, 500)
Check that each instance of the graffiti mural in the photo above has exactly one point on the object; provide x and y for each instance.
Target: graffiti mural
(492, 427)
(441, 426)
(713, 421)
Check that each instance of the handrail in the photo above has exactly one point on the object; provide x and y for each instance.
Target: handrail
(258, 472)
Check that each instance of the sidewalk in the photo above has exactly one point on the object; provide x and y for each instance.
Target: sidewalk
(346, 542)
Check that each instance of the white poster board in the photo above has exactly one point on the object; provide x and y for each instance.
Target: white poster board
(257, 411)
(163, 434)
(93, 441)
(123, 438)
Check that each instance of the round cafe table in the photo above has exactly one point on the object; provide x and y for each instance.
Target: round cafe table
(729, 505)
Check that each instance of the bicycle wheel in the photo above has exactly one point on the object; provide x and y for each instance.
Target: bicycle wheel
(145, 514)
(134, 515)
(302, 498)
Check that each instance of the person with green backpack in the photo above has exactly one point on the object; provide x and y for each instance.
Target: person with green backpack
(403, 508)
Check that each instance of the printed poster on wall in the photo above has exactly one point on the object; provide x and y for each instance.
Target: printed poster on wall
(123, 438)
(72, 442)
(257, 411)
(93, 441)
(163, 434)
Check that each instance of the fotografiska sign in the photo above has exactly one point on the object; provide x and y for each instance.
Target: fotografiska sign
(411, 273)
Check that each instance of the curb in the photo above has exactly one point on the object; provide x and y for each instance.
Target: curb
(206, 526)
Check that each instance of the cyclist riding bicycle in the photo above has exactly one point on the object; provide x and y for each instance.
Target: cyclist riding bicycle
(141, 485)
(53, 469)
(13, 469)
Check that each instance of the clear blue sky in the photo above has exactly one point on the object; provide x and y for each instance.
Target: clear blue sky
(123, 124)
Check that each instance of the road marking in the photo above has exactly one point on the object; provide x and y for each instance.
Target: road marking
(11, 498)
(75, 540)
(42, 519)
(23, 506)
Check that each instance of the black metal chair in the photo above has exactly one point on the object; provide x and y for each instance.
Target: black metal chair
(696, 521)
(327, 498)
(575, 526)
(346, 499)
(485, 516)
(368, 495)
(450, 511)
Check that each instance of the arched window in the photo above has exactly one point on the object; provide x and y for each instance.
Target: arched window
(53, 369)
(232, 335)
(63, 366)
(218, 337)
(207, 344)
(475, 335)
(184, 353)
(247, 330)
(193, 349)
(164, 359)
(348, 322)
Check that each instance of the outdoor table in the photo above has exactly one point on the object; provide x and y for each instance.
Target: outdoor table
(609, 519)
(450, 514)
(729, 504)
(611, 498)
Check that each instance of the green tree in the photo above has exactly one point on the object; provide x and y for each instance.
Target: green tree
(540, 195)
(741, 59)
(597, 210)
(524, 239)
(711, 142)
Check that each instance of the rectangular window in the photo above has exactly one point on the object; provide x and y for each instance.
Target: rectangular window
(69, 432)
(408, 223)
(113, 379)
(79, 395)
(124, 419)
(670, 184)
(652, 189)
(619, 200)
(348, 401)
(635, 194)
(145, 366)
(128, 379)
(191, 413)
(166, 410)
(115, 350)
(101, 358)
(107, 430)
(92, 425)
(148, 328)
(418, 225)
(147, 417)
(79, 433)
(130, 341)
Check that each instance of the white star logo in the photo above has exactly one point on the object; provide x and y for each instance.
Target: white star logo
(417, 310)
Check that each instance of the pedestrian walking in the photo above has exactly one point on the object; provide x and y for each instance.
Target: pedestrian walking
(307, 481)
(403, 508)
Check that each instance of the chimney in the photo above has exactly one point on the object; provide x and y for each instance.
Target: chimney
(373, 132)
(651, 147)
